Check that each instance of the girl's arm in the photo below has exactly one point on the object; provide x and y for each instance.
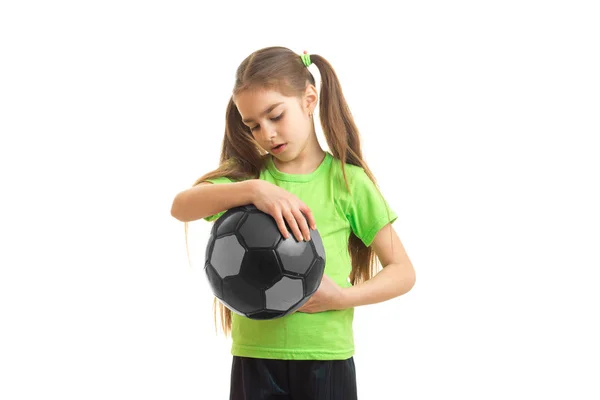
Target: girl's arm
(208, 199)
(395, 279)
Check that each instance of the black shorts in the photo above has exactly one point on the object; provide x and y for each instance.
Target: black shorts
(263, 379)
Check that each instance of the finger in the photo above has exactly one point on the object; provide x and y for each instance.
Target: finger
(289, 217)
(310, 217)
(302, 224)
(281, 225)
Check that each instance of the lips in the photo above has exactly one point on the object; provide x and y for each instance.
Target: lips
(278, 148)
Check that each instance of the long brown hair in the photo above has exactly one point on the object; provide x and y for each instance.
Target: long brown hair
(242, 158)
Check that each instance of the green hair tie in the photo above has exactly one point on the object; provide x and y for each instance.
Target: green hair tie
(306, 58)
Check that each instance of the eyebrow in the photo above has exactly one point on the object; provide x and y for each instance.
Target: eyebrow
(268, 110)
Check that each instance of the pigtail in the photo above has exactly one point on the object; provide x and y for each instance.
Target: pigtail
(343, 138)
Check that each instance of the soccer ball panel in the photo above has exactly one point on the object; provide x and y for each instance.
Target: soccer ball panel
(313, 279)
(261, 268)
(214, 280)
(284, 294)
(227, 256)
(266, 314)
(295, 256)
(318, 242)
(207, 251)
(228, 222)
(233, 309)
(243, 296)
(259, 230)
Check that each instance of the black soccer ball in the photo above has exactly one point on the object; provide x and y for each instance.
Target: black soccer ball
(254, 271)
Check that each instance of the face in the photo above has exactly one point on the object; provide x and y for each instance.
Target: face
(276, 120)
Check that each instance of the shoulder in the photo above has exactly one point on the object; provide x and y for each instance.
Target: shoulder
(353, 172)
(357, 178)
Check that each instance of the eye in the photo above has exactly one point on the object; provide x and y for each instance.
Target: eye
(275, 119)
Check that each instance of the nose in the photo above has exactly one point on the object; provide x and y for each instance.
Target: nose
(268, 132)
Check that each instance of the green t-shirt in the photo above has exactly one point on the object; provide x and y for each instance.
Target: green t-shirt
(327, 335)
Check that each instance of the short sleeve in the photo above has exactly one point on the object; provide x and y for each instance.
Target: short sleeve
(222, 179)
(367, 210)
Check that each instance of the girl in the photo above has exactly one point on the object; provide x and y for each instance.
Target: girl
(271, 158)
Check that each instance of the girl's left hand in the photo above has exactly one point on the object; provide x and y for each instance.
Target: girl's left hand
(327, 297)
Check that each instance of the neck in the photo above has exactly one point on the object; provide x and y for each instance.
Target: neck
(306, 162)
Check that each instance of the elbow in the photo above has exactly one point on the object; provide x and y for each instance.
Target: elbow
(411, 279)
(176, 209)
(182, 211)
(408, 280)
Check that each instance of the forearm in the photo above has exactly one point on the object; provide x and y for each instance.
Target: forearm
(205, 200)
(392, 281)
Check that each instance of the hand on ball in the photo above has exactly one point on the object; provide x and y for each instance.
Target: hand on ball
(329, 296)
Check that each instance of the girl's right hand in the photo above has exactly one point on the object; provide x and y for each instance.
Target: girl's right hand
(284, 207)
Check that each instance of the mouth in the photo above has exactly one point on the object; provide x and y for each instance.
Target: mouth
(278, 148)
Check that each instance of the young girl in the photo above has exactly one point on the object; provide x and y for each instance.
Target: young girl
(271, 158)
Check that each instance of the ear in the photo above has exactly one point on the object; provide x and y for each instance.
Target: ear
(310, 98)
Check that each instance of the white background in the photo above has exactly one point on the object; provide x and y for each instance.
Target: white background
(479, 119)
